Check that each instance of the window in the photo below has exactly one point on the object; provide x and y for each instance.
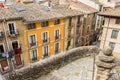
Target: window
(70, 21)
(12, 29)
(32, 40)
(45, 37)
(112, 45)
(57, 22)
(117, 21)
(15, 45)
(45, 51)
(1, 34)
(114, 34)
(31, 26)
(2, 49)
(18, 60)
(33, 55)
(56, 47)
(57, 35)
(45, 24)
(103, 22)
(100, 8)
(78, 22)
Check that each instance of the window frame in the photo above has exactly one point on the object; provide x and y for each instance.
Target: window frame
(3, 47)
(43, 51)
(57, 21)
(117, 21)
(31, 26)
(15, 29)
(31, 55)
(45, 24)
(113, 36)
(58, 46)
(112, 43)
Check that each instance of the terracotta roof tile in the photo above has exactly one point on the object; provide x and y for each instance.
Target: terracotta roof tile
(36, 12)
(114, 13)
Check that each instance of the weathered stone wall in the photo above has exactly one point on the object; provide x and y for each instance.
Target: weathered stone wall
(54, 62)
(105, 63)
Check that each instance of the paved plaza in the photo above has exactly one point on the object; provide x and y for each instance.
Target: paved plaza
(81, 69)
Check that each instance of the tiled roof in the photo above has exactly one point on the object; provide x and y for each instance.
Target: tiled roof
(83, 7)
(66, 11)
(35, 12)
(113, 13)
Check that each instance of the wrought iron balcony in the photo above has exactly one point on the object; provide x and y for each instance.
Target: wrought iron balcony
(34, 59)
(45, 55)
(57, 37)
(13, 34)
(33, 44)
(45, 41)
(57, 51)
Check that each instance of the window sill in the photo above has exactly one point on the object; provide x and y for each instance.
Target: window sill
(114, 37)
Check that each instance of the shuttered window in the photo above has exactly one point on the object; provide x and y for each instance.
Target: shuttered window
(18, 60)
(4, 65)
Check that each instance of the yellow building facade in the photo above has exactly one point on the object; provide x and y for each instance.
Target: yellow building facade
(44, 41)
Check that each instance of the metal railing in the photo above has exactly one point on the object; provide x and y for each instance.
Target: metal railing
(57, 37)
(45, 41)
(13, 34)
(33, 44)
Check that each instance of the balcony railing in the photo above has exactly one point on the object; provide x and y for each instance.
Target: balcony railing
(34, 59)
(45, 41)
(57, 51)
(34, 44)
(45, 55)
(57, 37)
(19, 65)
(13, 34)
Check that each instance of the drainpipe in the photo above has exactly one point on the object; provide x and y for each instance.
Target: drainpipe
(64, 38)
(6, 40)
(106, 32)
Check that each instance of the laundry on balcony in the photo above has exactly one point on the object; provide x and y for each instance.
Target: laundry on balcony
(18, 51)
(6, 55)
(13, 34)
(6, 68)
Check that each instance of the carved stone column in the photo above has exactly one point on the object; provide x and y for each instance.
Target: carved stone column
(105, 63)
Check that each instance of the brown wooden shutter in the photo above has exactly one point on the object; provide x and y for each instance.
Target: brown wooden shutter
(18, 59)
(3, 63)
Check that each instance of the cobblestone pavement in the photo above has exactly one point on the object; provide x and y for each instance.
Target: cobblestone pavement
(80, 69)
